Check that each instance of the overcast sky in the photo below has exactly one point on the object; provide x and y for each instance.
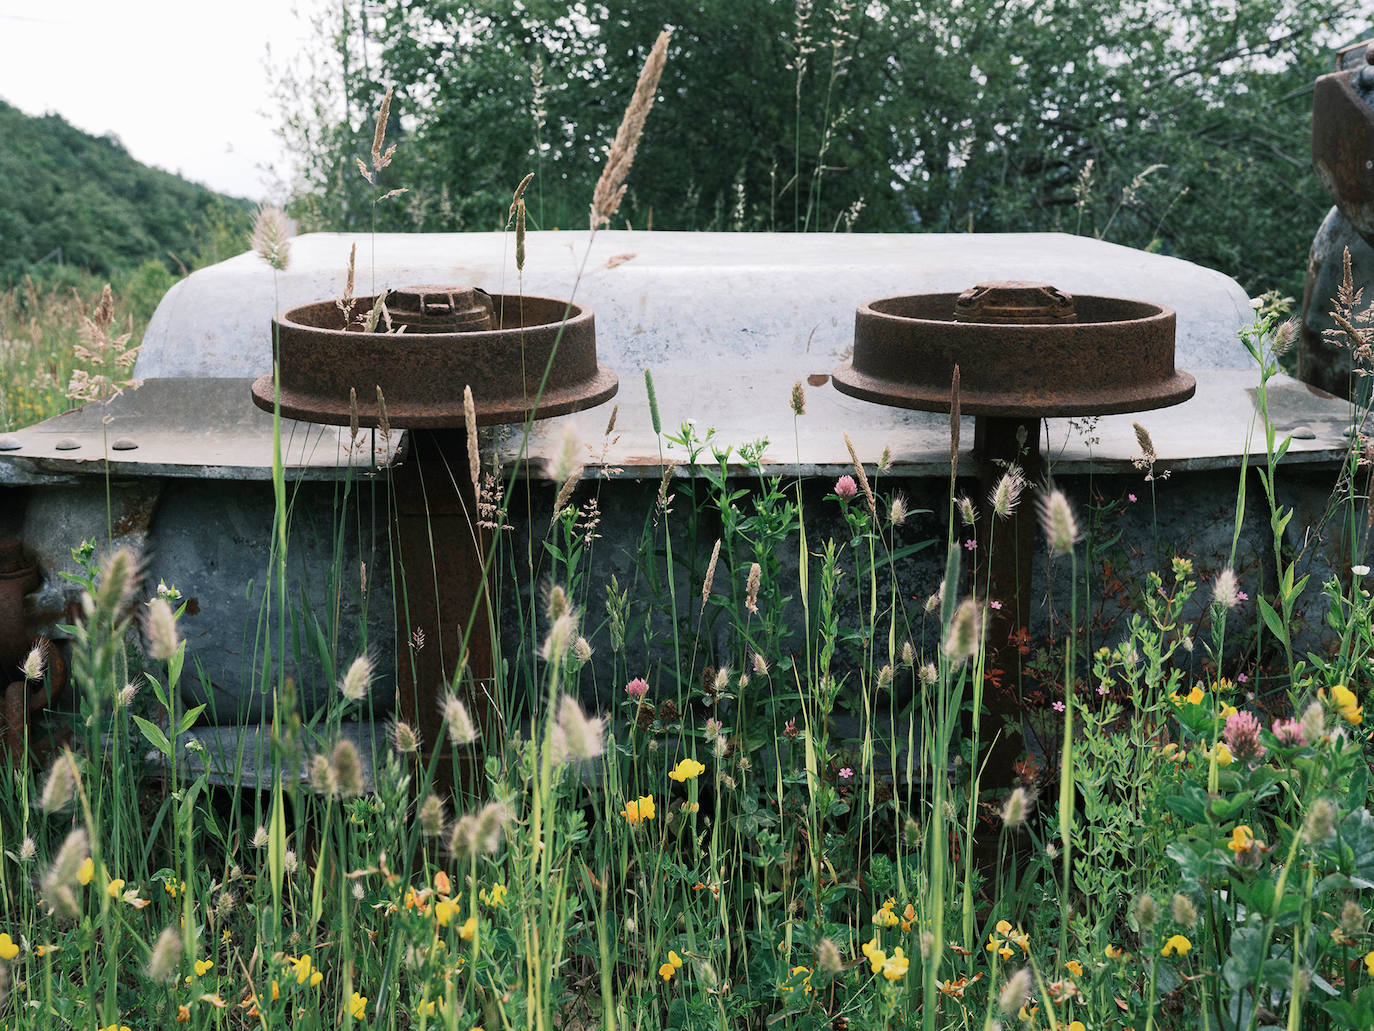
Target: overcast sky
(182, 83)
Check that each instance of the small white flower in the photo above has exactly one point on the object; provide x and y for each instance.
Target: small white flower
(1360, 570)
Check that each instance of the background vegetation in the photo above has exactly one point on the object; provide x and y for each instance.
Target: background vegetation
(84, 198)
(1176, 132)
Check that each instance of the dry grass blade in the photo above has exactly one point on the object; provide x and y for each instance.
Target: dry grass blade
(954, 424)
(610, 188)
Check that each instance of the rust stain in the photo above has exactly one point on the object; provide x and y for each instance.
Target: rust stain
(619, 259)
(818, 379)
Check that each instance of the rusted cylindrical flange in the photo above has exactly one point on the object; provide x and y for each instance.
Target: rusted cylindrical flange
(421, 374)
(1103, 357)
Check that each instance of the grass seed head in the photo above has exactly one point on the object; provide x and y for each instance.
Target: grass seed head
(1183, 911)
(1016, 808)
(491, 826)
(166, 956)
(431, 816)
(1015, 993)
(60, 787)
(357, 680)
(610, 188)
(348, 768)
(1057, 519)
(751, 588)
(965, 632)
(584, 735)
(457, 721)
(34, 663)
(404, 738)
(271, 237)
(160, 627)
(1226, 591)
(60, 882)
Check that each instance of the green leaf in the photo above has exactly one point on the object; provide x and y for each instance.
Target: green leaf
(1271, 620)
(1239, 968)
(189, 718)
(154, 735)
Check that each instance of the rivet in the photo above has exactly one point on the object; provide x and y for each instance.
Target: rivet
(67, 444)
(1302, 433)
(10, 444)
(123, 444)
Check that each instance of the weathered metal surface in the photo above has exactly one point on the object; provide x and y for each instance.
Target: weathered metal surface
(537, 359)
(1343, 140)
(445, 624)
(1103, 357)
(185, 428)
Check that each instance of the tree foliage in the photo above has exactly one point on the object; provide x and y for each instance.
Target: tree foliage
(105, 211)
(1182, 126)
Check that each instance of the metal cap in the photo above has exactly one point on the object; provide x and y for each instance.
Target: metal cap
(1011, 302)
(440, 309)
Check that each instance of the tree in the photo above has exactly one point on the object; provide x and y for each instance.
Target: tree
(1181, 127)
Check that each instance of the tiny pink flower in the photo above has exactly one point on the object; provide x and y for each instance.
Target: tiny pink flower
(969, 545)
(1242, 596)
(1058, 706)
(994, 604)
(846, 488)
(846, 772)
(637, 688)
(1130, 498)
(1244, 678)
(1102, 689)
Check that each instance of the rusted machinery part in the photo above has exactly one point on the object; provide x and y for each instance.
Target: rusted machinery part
(421, 371)
(1343, 140)
(18, 577)
(25, 699)
(1062, 356)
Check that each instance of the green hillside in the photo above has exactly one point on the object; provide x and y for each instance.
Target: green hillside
(106, 211)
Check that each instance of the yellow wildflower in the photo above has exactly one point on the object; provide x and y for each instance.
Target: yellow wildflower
(999, 946)
(1225, 684)
(444, 912)
(641, 809)
(1074, 967)
(1196, 695)
(8, 950)
(203, 967)
(469, 929)
(357, 1006)
(1241, 840)
(1344, 699)
(908, 917)
(674, 964)
(885, 917)
(1223, 754)
(183, 1013)
(115, 888)
(1369, 963)
(1176, 944)
(1113, 952)
(303, 969)
(1076, 1025)
(43, 950)
(1226, 711)
(687, 769)
(495, 897)
(788, 986)
(894, 969)
(86, 871)
(442, 884)
(114, 1027)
